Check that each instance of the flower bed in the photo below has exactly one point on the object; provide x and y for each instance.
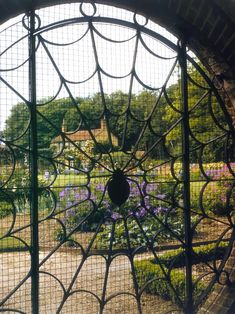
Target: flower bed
(145, 215)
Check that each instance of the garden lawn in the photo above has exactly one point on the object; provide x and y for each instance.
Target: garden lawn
(70, 179)
(10, 244)
(63, 180)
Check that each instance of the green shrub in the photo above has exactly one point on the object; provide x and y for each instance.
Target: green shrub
(19, 193)
(150, 271)
(205, 253)
(202, 253)
(150, 226)
(219, 196)
(104, 147)
(6, 207)
(147, 271)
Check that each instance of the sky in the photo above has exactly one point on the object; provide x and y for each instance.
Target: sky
(76, 58)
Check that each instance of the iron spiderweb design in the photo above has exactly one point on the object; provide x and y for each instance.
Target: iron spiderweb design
(129, 205)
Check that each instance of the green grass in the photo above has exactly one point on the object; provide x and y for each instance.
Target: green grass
(196, 186)
(63, 180)
(11, 244)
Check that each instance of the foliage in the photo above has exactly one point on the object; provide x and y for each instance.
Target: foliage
(219, 195)
(151, 271)
(89, 150)
(78, 202)
(20, 191)
(80, 160)
(5, 205)
(148, 111)
(150, 211)
(104, 148)
(153, 228)
(17, 123)
(202, 253)
(19, 194)
(153, 274)
(202, 126)
(77, 205)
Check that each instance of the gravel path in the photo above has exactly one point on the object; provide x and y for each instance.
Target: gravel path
(63, 265)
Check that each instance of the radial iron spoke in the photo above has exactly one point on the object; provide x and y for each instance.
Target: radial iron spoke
(149, 118)
(70, 95)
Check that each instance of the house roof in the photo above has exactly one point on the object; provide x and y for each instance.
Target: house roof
(100, 134)
(82, 135)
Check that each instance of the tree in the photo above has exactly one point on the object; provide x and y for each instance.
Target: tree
(202, 106)
(138, 121)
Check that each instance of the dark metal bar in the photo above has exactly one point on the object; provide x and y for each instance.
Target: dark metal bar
(65, 84)
(127, 116)
(114, 21)
(134, 276)
(33, 168)
(101, 87)
(83, 260)
(186, 178)
(108, 264)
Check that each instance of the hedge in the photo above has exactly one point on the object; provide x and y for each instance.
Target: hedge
(202, 253)
(147, 271)
(150, 271)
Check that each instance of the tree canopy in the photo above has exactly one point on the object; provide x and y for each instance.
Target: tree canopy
(138, 121)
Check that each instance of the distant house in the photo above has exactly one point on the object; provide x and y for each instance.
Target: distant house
(82, 136)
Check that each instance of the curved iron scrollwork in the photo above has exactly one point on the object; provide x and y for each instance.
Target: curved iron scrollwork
(129, 202)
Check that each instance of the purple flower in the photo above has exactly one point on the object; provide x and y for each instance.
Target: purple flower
(100, 187)
(223, 198)
(151, 188)
(145, 203)
(62, 193)
(141, 213)
(134, 191)
(106, 204)
(160, 210)
(115, 216)
(161, 196)
(78, 196)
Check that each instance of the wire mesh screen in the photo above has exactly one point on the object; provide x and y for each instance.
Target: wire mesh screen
(117, 166)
